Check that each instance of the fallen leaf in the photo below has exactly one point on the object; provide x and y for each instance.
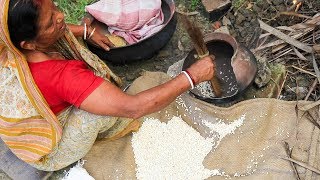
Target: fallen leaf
(226, 21)
(180, 47)
(249, 6)
(316, 48)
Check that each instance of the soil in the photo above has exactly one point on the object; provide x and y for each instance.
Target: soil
(243, 26)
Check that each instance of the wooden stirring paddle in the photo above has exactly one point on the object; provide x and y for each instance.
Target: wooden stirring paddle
(201, 48)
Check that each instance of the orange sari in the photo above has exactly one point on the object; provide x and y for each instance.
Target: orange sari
(27, 125)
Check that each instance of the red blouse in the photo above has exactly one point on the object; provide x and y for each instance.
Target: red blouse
(64, 82)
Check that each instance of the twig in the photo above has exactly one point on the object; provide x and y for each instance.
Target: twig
(304, 71)
(295, 5)
(271, 44)
(282, 85)
(309, 106)
(286, 28)
(315, 82)
(315, 66)
(299, 54)
(298, 6)
(278, 88)
(312, 120)
(316, 48)
(285, 37)
(295, 14)
(306, 40)
(187, 13)
(297, 92)
(281, 55)
(290, 88)
(288, 151)
(279, 47)
(302, 164)
(261, 43)
(310, 23)
(314, 36)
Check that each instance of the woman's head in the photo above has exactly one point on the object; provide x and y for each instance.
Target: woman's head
(34, 24)
(22, 21)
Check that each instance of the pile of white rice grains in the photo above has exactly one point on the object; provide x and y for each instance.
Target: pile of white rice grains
(174, 150)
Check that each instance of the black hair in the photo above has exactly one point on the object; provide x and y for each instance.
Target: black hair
(23, 16)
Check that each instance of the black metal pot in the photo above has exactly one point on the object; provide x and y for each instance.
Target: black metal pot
(236, 67)
(144, 49)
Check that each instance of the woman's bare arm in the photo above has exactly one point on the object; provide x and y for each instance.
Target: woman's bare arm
(108, 99)
(77, 30)
(97, 39)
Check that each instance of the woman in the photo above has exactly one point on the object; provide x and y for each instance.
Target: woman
(64, 104)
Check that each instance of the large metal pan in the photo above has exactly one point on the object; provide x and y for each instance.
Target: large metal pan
(144, 49)
(235, 68)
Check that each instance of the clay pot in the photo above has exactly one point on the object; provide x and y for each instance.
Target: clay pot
(236, 67)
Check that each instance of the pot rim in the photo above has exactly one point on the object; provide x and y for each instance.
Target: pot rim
(172, 7)
(212, 37)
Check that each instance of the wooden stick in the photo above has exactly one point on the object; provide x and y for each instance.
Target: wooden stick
(216, 86)
(197, 38)
(295, 14)
(304, 71)
(315, 82)
(302, 164)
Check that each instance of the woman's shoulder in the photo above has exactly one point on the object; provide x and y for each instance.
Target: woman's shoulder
(57, 63)
(57, 67)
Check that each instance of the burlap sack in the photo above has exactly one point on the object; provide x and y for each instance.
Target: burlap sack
(254, 151)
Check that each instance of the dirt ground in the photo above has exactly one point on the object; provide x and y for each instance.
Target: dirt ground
(244, 27)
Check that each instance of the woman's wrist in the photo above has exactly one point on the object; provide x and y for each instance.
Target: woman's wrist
(191, 77)
(190, 80)
(85, 29)
(91, 32)
(77, 30)
(88, 31)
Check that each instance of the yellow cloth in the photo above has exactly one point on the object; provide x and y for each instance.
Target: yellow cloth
(27, 124)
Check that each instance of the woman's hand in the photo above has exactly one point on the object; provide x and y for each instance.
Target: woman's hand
(202, 70)
(95, 37)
